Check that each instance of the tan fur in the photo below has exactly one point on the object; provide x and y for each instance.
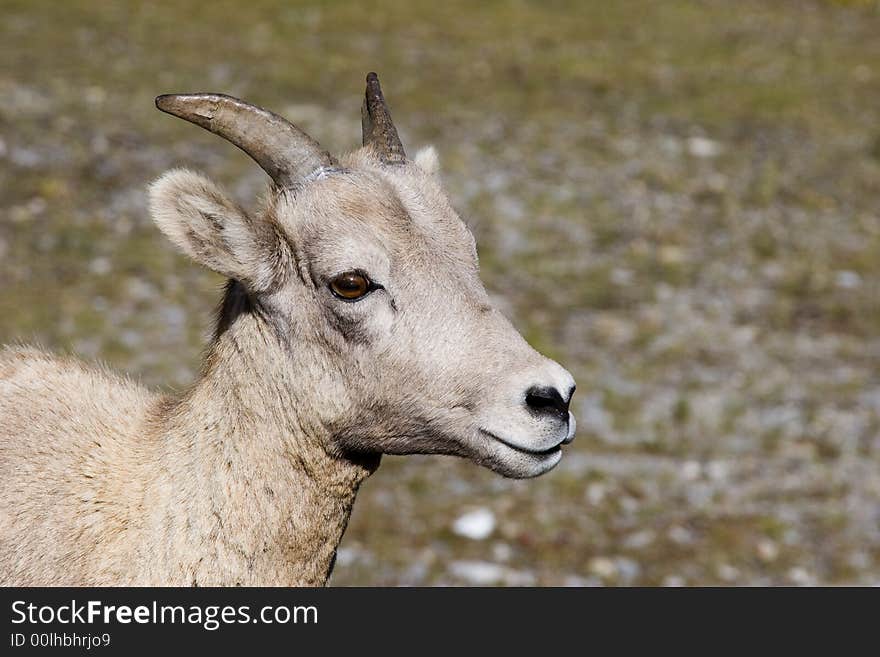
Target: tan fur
(248, 478)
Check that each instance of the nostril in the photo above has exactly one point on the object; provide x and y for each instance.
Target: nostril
(546, 400)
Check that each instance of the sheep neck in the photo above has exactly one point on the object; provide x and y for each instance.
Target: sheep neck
(257, 496)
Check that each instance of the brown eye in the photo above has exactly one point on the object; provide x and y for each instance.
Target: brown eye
(351, 285)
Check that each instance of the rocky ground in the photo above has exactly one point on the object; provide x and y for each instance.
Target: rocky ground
(680, 201)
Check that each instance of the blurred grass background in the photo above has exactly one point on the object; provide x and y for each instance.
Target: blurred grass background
(680, 201)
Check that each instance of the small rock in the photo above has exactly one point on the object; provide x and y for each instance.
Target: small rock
(727, 573)
(702, 147)
(486, 573)
(37, 205)
(629, 504)
(576, 581)
(670, 146)
(519, 577)
(95, 95)
(481, 573)
(26, 158)
(639, 540)
(680, 535)
(620, 276)
(847, 280)
(767, 550)
(717, 470)
(603, 567)
(628, 569)
(596, 493)
(477, 525)
(415, 574)
(800, 576)
(140, 290)
(100, 266)
(502, 552)
(131, 339)
(691, 470)
(674, 581)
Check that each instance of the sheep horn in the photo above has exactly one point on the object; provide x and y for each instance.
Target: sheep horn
(284, 151)
(378, 128)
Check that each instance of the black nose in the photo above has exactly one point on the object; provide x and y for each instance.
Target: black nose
(543, 400)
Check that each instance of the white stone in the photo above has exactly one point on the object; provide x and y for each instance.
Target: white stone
(486, 573)
(596, 493)
(680, 535)
(800, 576)
(639, 540)
(767, 550)
(502, 552)
(727, 572)
(603, 567)
(702, 147)
(717, 470)
(674, 581)
(847, 279)
(477, 525)
(100, 266)
(481, 573)
(691, 470)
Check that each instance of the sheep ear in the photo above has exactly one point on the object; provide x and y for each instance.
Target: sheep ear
(428, 160)
(202, 221)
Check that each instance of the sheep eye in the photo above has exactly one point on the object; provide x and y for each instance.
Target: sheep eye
(351, 285)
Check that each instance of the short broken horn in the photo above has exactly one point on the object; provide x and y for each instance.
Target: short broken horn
(378, 128)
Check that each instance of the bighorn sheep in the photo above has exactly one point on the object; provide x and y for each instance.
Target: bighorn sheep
(354, 324)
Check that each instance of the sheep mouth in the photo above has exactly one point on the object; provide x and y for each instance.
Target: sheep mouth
(523, 450)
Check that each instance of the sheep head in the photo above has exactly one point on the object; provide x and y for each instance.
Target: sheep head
(369, 280)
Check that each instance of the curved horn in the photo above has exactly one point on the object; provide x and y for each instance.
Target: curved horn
(284, 151)
(378, 128)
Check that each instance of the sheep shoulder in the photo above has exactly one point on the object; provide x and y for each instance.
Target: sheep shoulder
(73, 442)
